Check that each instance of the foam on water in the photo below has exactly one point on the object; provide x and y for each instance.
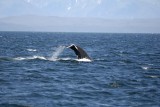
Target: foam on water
(54, 57)
(66, 59)
(145, 67)
(84, 60)
(32, 50)
(30, 58)
(153, 76)
(31, 78)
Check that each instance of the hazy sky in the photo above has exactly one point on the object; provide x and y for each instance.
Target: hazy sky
(129, 9)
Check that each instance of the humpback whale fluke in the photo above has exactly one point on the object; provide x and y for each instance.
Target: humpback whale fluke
(79, 52)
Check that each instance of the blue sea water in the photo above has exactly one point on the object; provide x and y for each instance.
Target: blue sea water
(36, 70)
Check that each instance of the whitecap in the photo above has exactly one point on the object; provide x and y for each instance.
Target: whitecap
(99, 59)
(32, 50)
(145, 67)
(38, 57)
(84, 60)
(70, 59)
(153, 76)
(30, 58)
(60, 59)
(19, 58)
(53, 59)
(66, 59)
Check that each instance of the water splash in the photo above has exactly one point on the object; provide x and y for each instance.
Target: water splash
(57, 52)
(54, 57)
(84, 60)
(30, 58)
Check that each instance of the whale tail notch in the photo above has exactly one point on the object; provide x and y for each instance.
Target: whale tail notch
(79, 52)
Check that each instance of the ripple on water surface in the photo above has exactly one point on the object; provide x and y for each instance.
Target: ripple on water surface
(37, 70)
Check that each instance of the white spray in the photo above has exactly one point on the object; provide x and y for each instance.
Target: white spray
(57, 52)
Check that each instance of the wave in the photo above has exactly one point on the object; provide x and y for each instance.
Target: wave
(30, 58)
(36, 57)
(51, 59)
(32, 50)
(54, 57)
(145, 67)
(84, 60)
(5, 59)
(12, 105)
(152, 76)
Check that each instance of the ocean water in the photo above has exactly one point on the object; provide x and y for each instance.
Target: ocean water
(37, 70)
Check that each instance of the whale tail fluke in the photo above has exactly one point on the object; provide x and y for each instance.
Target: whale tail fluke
(81, 54)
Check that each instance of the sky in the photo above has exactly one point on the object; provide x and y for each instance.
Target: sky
(125, 16)
(108, 9)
